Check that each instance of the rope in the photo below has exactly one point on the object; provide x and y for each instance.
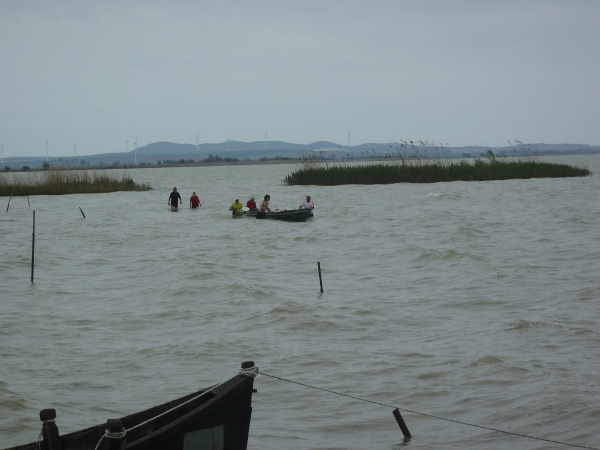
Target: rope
(119, 435)
(107, 434)
(99, 442)
(116, 434)
(175, 407)
(39, 441)
(38, 445)
(250, 372)
(429, 415)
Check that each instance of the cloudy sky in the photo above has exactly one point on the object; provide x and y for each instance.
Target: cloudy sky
(462, 72)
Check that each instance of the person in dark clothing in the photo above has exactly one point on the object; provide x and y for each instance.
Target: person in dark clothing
(174, 199)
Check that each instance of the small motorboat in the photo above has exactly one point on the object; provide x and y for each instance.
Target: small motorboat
(292, 215)
(215, 418)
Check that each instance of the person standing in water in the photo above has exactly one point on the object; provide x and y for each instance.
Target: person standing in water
(264, 207)
(308, 204)
(174, 199)
(236, 208)
(194, 201)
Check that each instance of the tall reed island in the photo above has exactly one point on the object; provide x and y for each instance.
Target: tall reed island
(60, 182)
(399, 167)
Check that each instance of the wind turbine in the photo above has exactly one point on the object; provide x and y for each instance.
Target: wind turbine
(2, 151)
(126, 145)
(46, 151)
(348, 148)
(197, 143)
(75, 151)
(227, 144)
(135, 151)
(265, 140)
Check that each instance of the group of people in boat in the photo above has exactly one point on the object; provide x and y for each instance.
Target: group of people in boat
(236, 207)
(261, 211)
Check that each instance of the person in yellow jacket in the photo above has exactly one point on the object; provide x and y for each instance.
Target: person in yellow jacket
(236, 208)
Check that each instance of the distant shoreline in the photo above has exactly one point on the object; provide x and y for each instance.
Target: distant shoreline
(278, 152)
(159, 166)
(223, 163)
(242, 163)
(171, 165)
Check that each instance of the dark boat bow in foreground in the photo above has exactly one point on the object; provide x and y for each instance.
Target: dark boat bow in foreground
(217, 418)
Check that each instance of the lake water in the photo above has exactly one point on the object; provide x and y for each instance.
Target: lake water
(476, 301)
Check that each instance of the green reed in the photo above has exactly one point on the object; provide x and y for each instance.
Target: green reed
(61, 182)
(422, 168)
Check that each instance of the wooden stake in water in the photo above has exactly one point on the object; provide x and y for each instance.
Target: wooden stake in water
(82, 212)
(401, 423)
(320, 277)
(33, 246)
(8, 206)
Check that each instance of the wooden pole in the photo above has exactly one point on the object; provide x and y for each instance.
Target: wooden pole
(115, 426)
(50, 430)
(320, 277)
(28, 201)
(8, 206)
(33, 246)
(82, 212)
(401, 423)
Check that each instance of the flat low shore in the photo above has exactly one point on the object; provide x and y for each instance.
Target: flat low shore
(160, 166)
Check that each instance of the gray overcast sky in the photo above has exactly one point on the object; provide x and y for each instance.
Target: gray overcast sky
(460, 72)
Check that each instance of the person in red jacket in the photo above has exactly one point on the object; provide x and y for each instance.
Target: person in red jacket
(251, 204)
(194, 201)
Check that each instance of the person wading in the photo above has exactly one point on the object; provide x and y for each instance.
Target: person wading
(264, 207)
(194, 201)
(174, 199)
(236, 208)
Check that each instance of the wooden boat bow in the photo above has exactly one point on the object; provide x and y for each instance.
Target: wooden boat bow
(217, 417)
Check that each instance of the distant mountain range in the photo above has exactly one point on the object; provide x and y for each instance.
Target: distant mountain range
(160, 151)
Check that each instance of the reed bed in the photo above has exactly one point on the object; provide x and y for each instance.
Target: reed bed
(429, 172)
(61, 182)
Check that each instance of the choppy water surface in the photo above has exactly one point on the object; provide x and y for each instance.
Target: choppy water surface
(475, 301)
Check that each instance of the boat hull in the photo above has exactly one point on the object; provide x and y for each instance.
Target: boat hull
(292, 215)
(215, 418)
